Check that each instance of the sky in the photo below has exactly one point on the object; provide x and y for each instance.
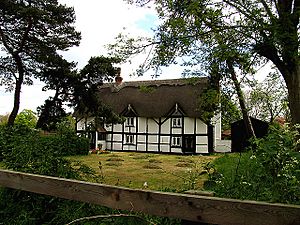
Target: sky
(99, 23)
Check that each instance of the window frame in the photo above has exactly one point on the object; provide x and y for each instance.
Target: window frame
(176, 141)
(130, 121)
(176, 122)
(129, 139)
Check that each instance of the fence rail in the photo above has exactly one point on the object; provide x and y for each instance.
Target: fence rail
(183, 206)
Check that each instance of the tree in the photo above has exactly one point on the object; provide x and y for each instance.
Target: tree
(60, 76)
(268, 99)
(31, 32)
(26, 118)
(75, 89)
(229, 111)
(94, 74)
(266, 29)
(50, 114)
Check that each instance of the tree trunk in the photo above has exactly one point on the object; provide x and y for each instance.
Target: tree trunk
(15, 110)
(293, 84)
(246, 118)
(17, 95)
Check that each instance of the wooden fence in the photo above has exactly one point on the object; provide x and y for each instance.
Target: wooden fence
(183, 206)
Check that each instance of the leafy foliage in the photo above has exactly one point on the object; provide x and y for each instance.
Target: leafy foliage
(26, 150)
(268, 99)
(26, 118)
(50, 114)
(77, 90)
(31, 32)
(229, 111)
(270, 172)
(236, 34)
(208, 104)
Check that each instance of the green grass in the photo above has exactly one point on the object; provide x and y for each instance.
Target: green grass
(161, 172)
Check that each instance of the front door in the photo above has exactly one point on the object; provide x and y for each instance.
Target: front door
(189, 143)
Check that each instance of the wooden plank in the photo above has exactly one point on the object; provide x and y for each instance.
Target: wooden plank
(188, 207)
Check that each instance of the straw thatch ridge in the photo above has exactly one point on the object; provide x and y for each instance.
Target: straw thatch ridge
(154, 98)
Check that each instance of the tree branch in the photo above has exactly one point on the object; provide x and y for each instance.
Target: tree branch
(268, 10)
(242, 11)
(296, 12)
(5, 41)
(25, 36)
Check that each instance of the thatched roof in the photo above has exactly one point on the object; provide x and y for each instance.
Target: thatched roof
(154, 98)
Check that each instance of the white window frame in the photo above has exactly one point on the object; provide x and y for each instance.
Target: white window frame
(130, 121)
(129, 139)
(177, 122)
(176, 141)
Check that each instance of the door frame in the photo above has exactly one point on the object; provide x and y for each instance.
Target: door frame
(186, 147)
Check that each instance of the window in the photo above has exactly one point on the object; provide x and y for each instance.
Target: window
(176, 122)
(176, 141)
(130, 122)
(101, 136)
(129, 139)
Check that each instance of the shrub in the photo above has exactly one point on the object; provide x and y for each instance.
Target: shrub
(270, 171)
(25, 150)
(65, 145)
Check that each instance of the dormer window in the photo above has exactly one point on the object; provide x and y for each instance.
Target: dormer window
(177, 122)
(130, 122)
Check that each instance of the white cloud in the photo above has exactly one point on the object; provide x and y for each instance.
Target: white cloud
(100, 22)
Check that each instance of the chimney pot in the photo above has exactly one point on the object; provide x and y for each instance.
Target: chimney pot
(118, 78)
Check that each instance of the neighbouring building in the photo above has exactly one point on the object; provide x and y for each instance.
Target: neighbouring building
(160, 116)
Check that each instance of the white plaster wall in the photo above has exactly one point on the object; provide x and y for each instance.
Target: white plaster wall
(176, 150)
(142, 124)
(141, 138)
(153, 147)
(80, 125)
(152, 126)
(117, 137)
(141, 147)
(164, 148)
(117, 128)
(176, 131)
(165, 140)
(117, 146)
(216, 121)
(189, 124)
(202, 140)
(201, 127)
(165, 127)
(153, 139)
(202, 149)
(129, 147)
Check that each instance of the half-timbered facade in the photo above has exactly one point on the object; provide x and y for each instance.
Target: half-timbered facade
(160, 116)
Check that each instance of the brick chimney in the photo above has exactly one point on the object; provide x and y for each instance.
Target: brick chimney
(118, 78)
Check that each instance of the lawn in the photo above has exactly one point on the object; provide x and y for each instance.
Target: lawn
(160, 172)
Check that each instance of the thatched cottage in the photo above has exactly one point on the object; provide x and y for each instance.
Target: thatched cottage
(161, 116)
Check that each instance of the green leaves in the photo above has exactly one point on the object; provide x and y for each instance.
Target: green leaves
(270, 172)
(26, 118)
(31, 32)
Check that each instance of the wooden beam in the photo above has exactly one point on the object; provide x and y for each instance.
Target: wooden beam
(188, 207)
